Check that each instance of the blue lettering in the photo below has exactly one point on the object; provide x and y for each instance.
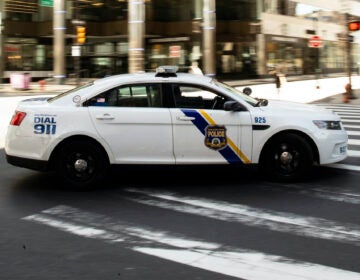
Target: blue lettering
(260, 119)
(45, 129)
(44, 120)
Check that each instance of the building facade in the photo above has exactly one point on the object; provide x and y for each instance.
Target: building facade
(234, 38)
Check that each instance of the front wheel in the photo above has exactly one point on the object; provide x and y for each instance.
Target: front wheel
(287, 157)
(82, 164)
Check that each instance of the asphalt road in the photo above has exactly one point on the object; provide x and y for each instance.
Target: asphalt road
(203, 223)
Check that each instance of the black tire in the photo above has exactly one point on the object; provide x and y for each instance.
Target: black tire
(82, 164)
(288, 157)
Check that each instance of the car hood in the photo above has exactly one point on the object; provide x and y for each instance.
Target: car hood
(295, 107)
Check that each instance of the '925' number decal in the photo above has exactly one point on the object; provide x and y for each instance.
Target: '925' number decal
(260, 120)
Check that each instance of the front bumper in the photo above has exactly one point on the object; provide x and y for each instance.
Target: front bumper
(332, 146)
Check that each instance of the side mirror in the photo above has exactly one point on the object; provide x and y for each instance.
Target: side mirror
(233, 106)
(247, 91)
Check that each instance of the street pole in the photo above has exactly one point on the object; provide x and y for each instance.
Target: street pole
(136, 26)
(348, 87)
(2, 58)
(59, 41)
(209, 33)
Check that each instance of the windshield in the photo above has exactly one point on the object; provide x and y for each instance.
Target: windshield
(252, 101)
(69, 92)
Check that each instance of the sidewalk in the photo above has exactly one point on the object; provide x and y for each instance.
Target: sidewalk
(339, 98)
(6, 90)
(324, 90)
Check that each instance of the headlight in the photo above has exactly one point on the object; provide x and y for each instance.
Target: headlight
(334, 125)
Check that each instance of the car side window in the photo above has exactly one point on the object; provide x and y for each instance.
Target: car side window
(132, 96)
(190, 96)
(138, 95)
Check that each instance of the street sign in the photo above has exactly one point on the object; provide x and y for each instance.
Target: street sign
(46, 3)
(315, 42)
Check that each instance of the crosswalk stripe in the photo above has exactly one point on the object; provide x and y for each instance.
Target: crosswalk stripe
(349, 126)
(345, 166)
(250, 265)
(344, 120)
(337, 109)
(353, 141)
(273, 220)
(350, 117)
(219, 258)
(314, 190)
(353, 153)
(353, 133)
(348, 113)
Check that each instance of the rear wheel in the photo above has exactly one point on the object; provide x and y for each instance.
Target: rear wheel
(287, 157)
(82, 164)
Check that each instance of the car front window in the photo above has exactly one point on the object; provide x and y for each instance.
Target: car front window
(250, 100)
(195, 97)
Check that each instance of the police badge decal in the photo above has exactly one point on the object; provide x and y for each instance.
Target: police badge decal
(215, 137)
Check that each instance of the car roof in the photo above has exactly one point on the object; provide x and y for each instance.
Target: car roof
(106, 83)
(151, 77)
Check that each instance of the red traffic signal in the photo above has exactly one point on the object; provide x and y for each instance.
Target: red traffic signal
(354, 25)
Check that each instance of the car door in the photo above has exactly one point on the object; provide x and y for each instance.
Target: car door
(133, 123)
(204, 132)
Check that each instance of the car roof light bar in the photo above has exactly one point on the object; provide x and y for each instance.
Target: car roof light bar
(166, 71)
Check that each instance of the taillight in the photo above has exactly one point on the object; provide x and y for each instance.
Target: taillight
(17, 118)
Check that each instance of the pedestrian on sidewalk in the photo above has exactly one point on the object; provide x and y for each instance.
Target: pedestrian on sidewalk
(278, 76)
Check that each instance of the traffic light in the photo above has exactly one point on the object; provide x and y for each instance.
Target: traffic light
(354, 25)
(81, 34)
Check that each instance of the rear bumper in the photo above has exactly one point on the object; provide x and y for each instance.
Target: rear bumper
(33, 164)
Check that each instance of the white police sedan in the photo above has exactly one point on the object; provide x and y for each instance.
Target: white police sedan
(169, 118)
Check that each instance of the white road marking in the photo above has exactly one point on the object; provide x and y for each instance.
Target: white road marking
(273, 220)
(354, 114)
(354, 142)
(251, 265)
(337, 194)
(353, 133)
(351, 153)
(345, 166)
(352, 120)
(235, 262)
(71, 227)
(349, 126)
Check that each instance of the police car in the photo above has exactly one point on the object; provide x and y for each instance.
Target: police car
(169, 118)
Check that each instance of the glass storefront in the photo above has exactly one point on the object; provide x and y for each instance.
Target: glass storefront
(173, 35)
(293, 56)
(26, 54)
(237, 59)
(285, 55)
